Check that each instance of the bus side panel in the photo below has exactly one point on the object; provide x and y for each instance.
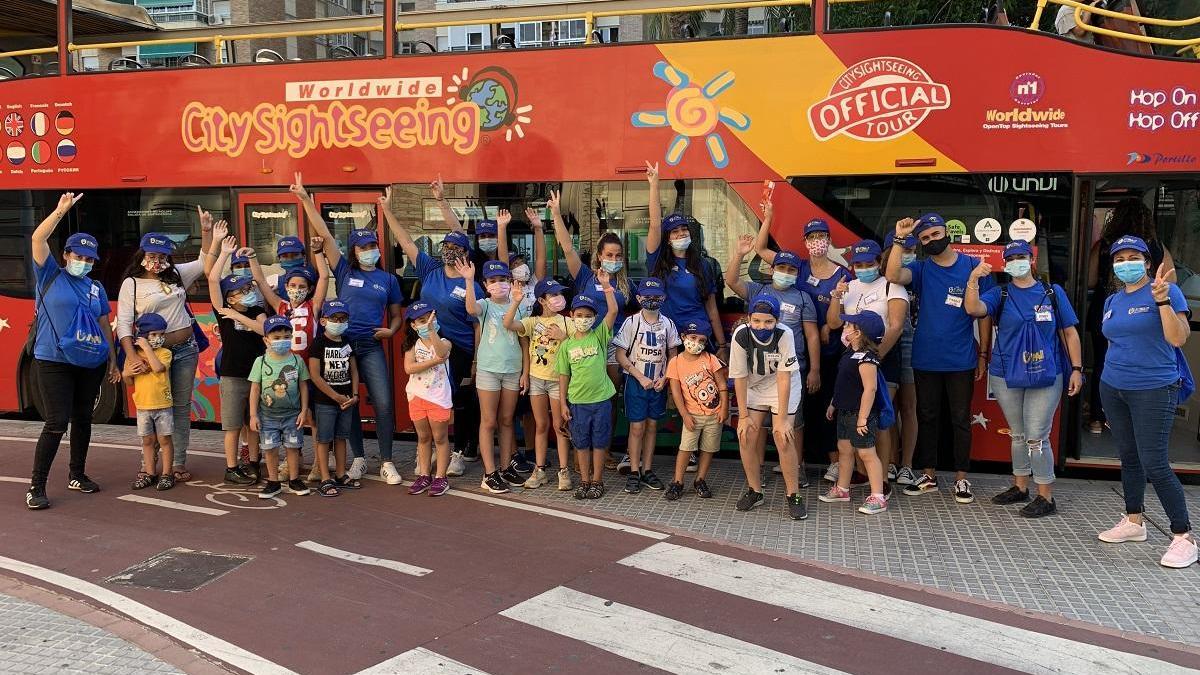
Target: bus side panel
(16, 315)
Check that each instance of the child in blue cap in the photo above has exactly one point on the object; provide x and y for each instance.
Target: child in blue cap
(334, 372)
(279, 405)
(152, 398)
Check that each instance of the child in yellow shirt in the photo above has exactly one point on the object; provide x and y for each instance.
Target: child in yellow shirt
(152, 398)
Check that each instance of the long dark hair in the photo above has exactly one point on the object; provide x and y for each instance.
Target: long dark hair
(1131, 216)
(168, 276)
(664, 267)
(410, 334)
(621, 278)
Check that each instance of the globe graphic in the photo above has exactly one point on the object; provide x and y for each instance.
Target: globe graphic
(492, 99)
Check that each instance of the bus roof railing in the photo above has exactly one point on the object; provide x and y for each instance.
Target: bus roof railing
(1187, 44)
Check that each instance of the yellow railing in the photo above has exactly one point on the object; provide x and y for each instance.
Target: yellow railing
(217, 41)
(1187, 43)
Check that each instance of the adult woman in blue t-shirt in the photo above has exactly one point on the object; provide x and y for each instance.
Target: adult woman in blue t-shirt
(1146, 322)
(373, 297)
(68, 392)
(1026, 302)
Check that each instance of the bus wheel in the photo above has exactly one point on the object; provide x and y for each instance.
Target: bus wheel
(106, 406)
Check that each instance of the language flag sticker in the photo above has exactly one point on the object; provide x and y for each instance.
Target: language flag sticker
(16, 153)
(66, 150)
(64, 122)
(39, 124)
(40, 152)
(13, 124)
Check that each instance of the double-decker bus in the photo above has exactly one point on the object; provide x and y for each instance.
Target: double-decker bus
(1008, 131)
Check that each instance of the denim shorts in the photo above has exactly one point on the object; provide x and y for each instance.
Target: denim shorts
(591, 425)
(159, 422)
(487, 381)
(333, 423)
(272, 431)
(644, 404)
(847, 429)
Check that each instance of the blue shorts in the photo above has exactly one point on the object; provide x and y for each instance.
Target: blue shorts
(591, 425)
(333, 423)
(644, 404)
(273, 431)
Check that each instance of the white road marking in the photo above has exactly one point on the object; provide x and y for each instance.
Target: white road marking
(395, 565)
(188, 635)
(979, 639)
(10, 479)
(95, 444)
(168, 504)
(650, 639)
(421, 661)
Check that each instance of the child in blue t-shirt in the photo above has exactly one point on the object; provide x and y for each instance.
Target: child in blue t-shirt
(279, 405)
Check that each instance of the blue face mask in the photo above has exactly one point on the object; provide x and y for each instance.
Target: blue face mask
(368, 258)
(335, 328)
(611, 266)
(762, 334)
(251, 299)
(243, 272)
(908, 258)
(868, 275)
(292, 263)
(1130, 271)
(489, 245)
(1017, 268)
(783, 279)
(281, 347)
(78, 268)
(428, 329)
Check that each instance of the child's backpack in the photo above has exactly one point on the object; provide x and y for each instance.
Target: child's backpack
(883, 401)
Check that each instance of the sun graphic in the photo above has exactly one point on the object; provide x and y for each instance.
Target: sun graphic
(692, 111)
(494, 90)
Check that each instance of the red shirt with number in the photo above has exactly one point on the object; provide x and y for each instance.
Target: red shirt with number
(304, 325)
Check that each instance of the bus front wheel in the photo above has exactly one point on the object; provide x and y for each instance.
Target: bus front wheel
(108, 402)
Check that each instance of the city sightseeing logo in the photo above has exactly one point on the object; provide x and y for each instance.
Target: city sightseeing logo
(1025, 90)
(693, 112)
(877, 99)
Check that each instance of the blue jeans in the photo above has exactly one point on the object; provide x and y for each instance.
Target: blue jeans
(1141, 423)
(333, 423)
(1030, 415)
(374, 373)
(184, 358)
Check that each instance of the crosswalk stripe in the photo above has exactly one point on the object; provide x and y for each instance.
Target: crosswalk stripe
(650, 639)
(395, 565)
(421, 661)
(975, 638)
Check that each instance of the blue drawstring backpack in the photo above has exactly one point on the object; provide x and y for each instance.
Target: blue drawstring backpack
(887, 413)
(83, 343)
(1029, 370)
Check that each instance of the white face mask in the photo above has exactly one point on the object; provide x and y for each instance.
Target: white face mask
(694, 346)
(584, 323)
(681, 244)
(521, 273)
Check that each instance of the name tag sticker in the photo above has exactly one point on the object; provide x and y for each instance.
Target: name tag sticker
(345, 351)
(954, 300)
(95, 291)
(357, 283)
(1108, 315)
(459, 292)
(813, 280)
(599, 288)
(238, 326)
(1043, 316)
(788, 307)
(291, 376)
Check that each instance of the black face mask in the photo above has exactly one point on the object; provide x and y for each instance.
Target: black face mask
(936, 247)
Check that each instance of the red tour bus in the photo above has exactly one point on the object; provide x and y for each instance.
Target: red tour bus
(861, 127)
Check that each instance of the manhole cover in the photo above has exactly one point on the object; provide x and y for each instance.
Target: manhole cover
(179, 570)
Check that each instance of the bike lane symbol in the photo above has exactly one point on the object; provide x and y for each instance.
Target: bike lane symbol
(237, 497)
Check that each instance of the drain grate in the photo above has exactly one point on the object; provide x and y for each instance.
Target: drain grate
(178, 570)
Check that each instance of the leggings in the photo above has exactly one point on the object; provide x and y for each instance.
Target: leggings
(466, 404)
(69, 394)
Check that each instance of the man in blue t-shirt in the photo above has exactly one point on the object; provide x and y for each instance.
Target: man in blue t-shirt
(946, 358)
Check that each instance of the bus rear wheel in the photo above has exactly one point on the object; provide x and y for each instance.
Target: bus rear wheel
(107, 403)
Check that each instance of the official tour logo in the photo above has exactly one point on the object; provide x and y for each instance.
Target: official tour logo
(878, 99)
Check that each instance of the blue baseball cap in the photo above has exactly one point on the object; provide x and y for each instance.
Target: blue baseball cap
(652, 287)
(157, 242)
(870, 323)
(82, 243)
(816, 225)
(276, 322)
(332, 307)
(909, 242)
(582, 300)
(771, 302)
(361, 238)
(547, 285)
(1018, 247)
(515, 256)
(301, 272)
(417, 310)
(150, 323)
(458, 239)
(864, 251)
(233, 283)
(238, 259)
(486, 227)
(787, 258)
(696, 328)
(927, 221)
(495, 268)
(674, 222)
(1129, 243)
(289, 244)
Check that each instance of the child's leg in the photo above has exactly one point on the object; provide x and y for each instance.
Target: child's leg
(272, 458)
(636, 433)
(441, 441)
(508, 432)
(749, 453)
(322, 460)
(706, 459)
(648, 444)
(583, 457)
(564, 450)
(540, 404)
(231, 449)
(167, 451)
(598, 455)
(681, 462)
(294, 457)
(709, 444)
(424, 445)
(845, 463)
(149, 456)
(339, 456)
(253, 439)
(788, 465)
(874, 469)
(489, 403)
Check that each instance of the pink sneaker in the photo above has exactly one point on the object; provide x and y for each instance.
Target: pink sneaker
(835, 494)
(1123, 532)
(439, 487)
(1180, 554)
(420, 485)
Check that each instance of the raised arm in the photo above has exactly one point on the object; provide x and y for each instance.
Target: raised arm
(503, 218)
(610, 296)
(448, 215)
(737, 254)
(971, 302)
(1174, 323)
(833, 316)
(574, 264)
(467, 269)
(399, 233)
(315, 219)
(510, 315)
(317, 245)
(539, 243)
(654, 235)
(41, 234)
(270, 297)
(762, 240)
(895, 272)
(210, 254)
(215, 296)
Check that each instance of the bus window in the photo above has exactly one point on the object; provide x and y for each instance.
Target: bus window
(267, 219)
(1177, 215)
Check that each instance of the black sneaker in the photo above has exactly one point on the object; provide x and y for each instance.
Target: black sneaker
(521, 464)
(494, 483)
(1012, 495)
(298, 487)
(1039, 507)
(962, 491)
(270, 489)
(471, 453)
(581, 491)
(802, 476)
(924, 483)
(674, 492)
(796, 508)
(250, 470)
(83, 484)
(632, 484)
(749, 500)
(652, 481)
(237, 476)
(35, 498)
(859, 479)
(511, 476)
(701, 489)
(693, 464)
(595, 491)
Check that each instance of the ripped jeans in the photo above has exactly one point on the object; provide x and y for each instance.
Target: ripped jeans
(1030, 416)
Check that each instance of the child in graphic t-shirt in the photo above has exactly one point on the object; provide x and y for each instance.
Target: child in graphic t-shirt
(279, 405)
(303, 294)
(430, 397)
(334, 372)
(698, 386)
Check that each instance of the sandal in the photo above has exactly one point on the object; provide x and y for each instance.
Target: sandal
(143, 481)
(328, 489)
(166, 482)
(182, 475)
(348, 483)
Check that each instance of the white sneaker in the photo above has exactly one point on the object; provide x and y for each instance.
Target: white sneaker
(831, 474)
(389, 473)
(457, 465)
(536, 480)
(692, 466)
(564, 480)
(623, 465)
(777, 469)
(315, 473)
(1181, 554)
(892, 472)
(357, 468)
(905, 476)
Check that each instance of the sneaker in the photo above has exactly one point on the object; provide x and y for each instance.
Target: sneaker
(511, 476)
(595, 490)
(581, 491)
(457, 464)
(693, 465)
(892, 472)
(494, 484)
(358, 468)
(802, 476)
(1012, 495)
(389, 474)
(297, 487)
(83, 484)
(887, 491)
(831, 474)
(652, 481)
(237, 476)
(439, 487)
(521, 464)
(1095, 427)
(874, 504)
(674, 492)
(1124, 531)
(835, 494)
(564, 480)
(250, 470)
(1039, 507)
(859, 479)
(962, 491)
(35, 498)
(749, 500)
(905, 476)
(633, 484)
(924, 483)
(1181, 553)
(623, 466)
(777, 469)
(536, 479)
(270, 489)
(470, 453)
(420, 485)
(314, 474)
(701, 488)
(796, 508)
(283, 470)
(610, 464)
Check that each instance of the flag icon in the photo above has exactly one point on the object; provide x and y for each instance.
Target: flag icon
(16, 153)
(13, 124)
(64, 122)
(39, 124)
(66, 150)
(40, 152)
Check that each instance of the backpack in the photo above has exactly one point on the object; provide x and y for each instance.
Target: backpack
(84, 343)
(1022, 373)
(887, 413)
